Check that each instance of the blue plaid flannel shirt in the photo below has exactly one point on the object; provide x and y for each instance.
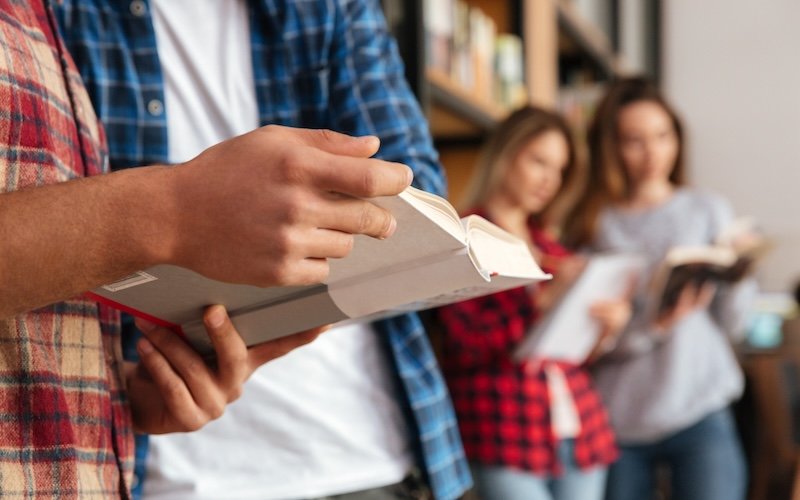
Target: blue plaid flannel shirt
(317, 64)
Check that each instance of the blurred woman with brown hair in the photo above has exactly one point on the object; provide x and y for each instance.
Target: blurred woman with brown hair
(536, 429)
(670, 380)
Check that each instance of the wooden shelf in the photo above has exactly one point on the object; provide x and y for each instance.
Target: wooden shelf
(588, 38)
(456, 112)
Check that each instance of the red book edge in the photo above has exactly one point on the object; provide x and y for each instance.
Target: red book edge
(135, 312)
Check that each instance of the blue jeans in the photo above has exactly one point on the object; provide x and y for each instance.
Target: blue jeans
(503, 483)
(705, 462)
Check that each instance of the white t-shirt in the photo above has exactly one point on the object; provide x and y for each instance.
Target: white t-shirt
(323, 419)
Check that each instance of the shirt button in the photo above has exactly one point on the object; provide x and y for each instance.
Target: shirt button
(138, 8)
(155, 107)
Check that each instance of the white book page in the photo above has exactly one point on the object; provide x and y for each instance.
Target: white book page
(717, 255)
(499, 253)
(568, 333)
(437, 209)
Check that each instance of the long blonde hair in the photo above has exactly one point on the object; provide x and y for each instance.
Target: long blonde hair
(608, 180)
(502, 148)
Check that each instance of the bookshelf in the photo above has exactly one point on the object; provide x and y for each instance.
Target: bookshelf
(565, 55)
(580, 38)
(457, 112)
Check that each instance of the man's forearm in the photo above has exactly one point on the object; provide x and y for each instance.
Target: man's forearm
(58, 241)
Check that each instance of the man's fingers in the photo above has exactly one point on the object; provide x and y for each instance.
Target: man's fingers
(329, 244)
(176, 396)
(347, 215)
(194, 373)
(308, 271)
(336, 143)
(360, 177)
(230, 349)
(273, 349)
(355, 216)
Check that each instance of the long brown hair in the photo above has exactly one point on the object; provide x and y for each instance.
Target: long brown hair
(608, 180)
(502, 148)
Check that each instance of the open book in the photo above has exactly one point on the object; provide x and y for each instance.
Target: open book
(729, 259)
(434, 258)
(568, 332)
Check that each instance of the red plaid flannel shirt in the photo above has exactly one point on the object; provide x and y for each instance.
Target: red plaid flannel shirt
(503, 406)
(65, 428)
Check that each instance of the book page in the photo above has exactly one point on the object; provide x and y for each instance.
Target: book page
(684, 266)
(437, 209)
(568, 333)
(496, 252)
(722, 256)
(424, 232)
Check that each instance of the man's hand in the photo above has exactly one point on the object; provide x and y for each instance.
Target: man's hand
(173, 389)
(269, 207)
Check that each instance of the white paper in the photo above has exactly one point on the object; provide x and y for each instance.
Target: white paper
(569, 333)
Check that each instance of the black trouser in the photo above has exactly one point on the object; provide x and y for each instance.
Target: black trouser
(413, 487)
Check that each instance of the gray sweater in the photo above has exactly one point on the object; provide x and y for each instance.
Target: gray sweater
(656, 384)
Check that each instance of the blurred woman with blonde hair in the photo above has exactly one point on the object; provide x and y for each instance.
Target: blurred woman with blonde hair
(534, 429)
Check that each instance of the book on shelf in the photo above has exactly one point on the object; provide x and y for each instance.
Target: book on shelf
(434, 258)
(439, 20)
(461, 68)
(509, 71)
(482, 34)
(733, 255)
(568, 332)
(462, 42)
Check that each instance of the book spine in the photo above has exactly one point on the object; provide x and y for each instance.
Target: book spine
(134, 312)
